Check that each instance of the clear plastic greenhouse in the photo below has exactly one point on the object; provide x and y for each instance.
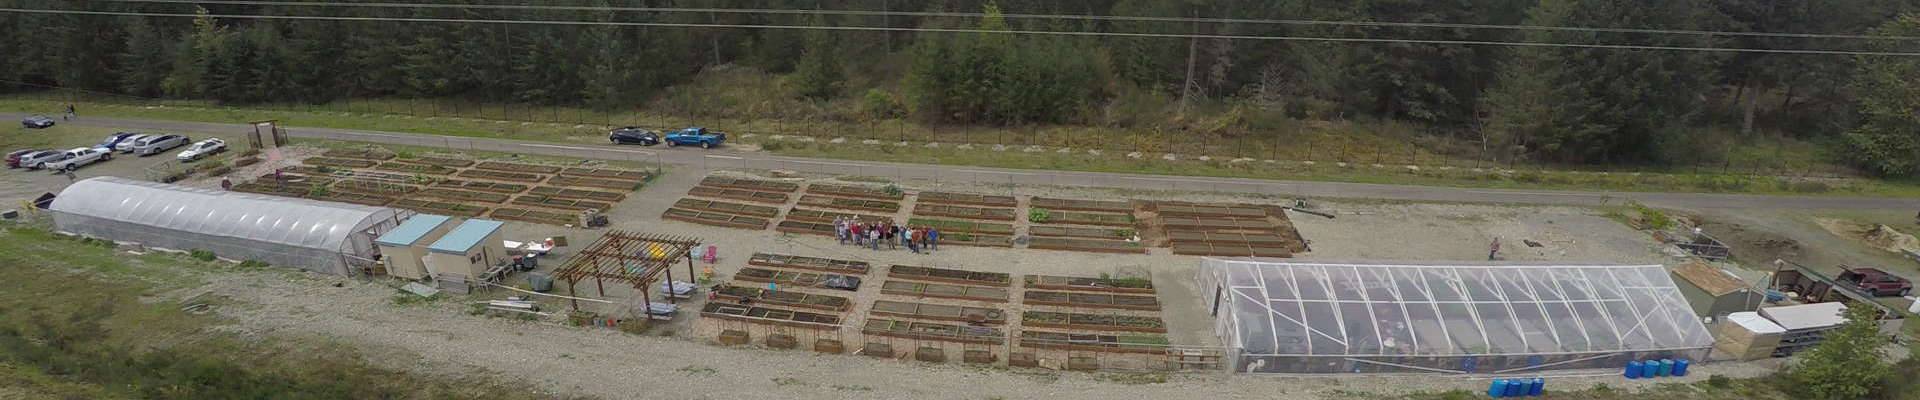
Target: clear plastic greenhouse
(313, 235)
(1283, 317)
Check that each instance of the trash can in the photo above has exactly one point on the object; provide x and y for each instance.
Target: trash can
(540, 282)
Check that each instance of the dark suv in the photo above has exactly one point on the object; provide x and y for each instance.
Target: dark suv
(633, 135)
(1876, 282)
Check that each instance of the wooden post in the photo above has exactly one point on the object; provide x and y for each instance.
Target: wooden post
(646, 298)
(669, 271)
(570, 293)
(600, 283)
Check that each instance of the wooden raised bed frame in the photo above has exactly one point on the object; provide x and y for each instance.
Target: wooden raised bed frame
(1109, 343)
(854, 191)
(1092, 300)
(443, 161)
(1092, 322)
(1082, 205)
(1184, 209)
(1079, 232)
(560, 203)
(762, 315)
(850, 204)
(534, 216)
(843, 267)
(462, 195)
(1086, 245)
(952, 226)
(517, 167)
(941, 210)
(1228, 250)
(725, 207)
(570, 193)
(339, 162)
(967, 199)
(594, 182)
(805, 228)
(944, 291)
(1050, 282)
(943, 275)
(412, 168)
(501, 175)
(932, 331)
(738, 194)
(715, 219)
(481, 186)
(750, 184)
(939, 312)
(376, 154)
(798, 279)
(435, 207)
(733, 294)
(607, 173)
(822, 216)
(1087, 218)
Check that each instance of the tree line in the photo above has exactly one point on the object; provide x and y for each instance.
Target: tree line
(1550, 104)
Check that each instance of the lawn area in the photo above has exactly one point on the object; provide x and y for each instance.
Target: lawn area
(1352, 146)
(78, 321)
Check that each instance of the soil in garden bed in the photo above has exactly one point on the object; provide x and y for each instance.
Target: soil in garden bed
(1187, 209)
(846, 203)
(750, 184)
(462, 195)
(725, 207)
(501, 175)
(623, 185)
(933, 331)
(1079, 232)
(820, 216)
(843, 267)
(854, 191)
(1118, 285)
(607, 173)
(440, 207)
(1088, 245)
(939, 210)
(1094, 322)
(1079, 218)
(570, 193)
(542, 217)
(975, 240)
(966, 199)
(517, 167)
(946, 226)
(376, 154)
(339, 162)
(945, 291)
(764, 315)
(411, 168)
(1082, 205)
(942, 312)
(483, 186)
(443, 161)
(715, 219)
(1092, 300)
(565, 204)
(964, 277)
(374, 187)
(738, 194)
(299, 191)
(1228, 249)
(355, 198)
(805, 228)
(1145, 343)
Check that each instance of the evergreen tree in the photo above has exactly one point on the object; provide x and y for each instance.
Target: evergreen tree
(819, 75)
(1887, 142)
(1848, 363)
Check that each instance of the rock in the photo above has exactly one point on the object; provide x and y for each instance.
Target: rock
(965, 146)
(870, 142)
(1093, 152)
(1342, 164)
(1309, 163)
(777, 137)
(579, 126)
(901, 144)
(838, 140)
(747, 135)
(1064, 150)
(1032, 149)
(1413, 168)
(1205, 158)
(1170, 157)
(1240, 160)
(999, 147)
(1135, 154)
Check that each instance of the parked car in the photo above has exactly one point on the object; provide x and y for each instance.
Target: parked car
(155, 144)
(696, 136)
(125, 145)
(1876, 282)
(114, 139)
(633, 135)
(37, 122)
(34, 160)
(13, 159)
(76, 158)
(204, 148)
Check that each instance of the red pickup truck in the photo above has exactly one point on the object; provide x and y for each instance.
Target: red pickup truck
(1876, 282)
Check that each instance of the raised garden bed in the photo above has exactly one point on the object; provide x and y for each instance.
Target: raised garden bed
(798, 279)
(501, 175)
(1180, 209)
(1088, 245)
(764, 315)
(942, 312)
(974, 239)
(564, 204)
(286, 190)
(1092, 300)
(806, 228)
(851, 204)
(1111, 343)
(738, 194)
(594, 182)
(827, 217)
(951, 226)
(733, 294)
(516, 167)
(443, 161)
(607, 173)
(1078, 232)
(937, 210)
(439, 207)
(1082, 205)
(462, 195)
(482, 186)
(750, 184)
(949, 276)
(355, 198)
(725, 207)
(1259, 240)
(967, 199)
(1228, 250)
(411, 168)
(339, 162)
(715, 219)
(375, 187)
(1121, 285)
(569, 193)
(933, 331)
(1214, 224)
(376, 154)
(1092, 322)
(843, 267)
(944, 291)
(535, 216)
(1079, 218)
(854, 191)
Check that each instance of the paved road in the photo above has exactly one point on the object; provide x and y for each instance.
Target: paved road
(703, 160)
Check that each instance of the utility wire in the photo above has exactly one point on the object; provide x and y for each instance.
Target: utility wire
(1039, 16)
(962, 30)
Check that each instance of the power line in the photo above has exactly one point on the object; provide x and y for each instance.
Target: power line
(963, 30)
(1043, 16)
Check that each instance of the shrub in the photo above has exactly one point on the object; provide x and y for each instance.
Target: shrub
(879, 104)
(1847, 364)
(1039, 215)
(202, 255)
(406, 154)
(254, 264)
(773, 145)
(1655, 219)
(1719, 381)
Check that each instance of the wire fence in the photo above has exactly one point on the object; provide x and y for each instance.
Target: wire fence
(1297, 145)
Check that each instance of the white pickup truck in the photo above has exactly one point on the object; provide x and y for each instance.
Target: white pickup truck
(76, 158)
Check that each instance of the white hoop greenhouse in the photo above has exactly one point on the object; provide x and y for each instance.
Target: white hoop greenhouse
(317, 236)
(1283, 317)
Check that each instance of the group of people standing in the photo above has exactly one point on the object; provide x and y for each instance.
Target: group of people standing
(874, 234)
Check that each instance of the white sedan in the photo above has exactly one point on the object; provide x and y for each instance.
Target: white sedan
(202, 149)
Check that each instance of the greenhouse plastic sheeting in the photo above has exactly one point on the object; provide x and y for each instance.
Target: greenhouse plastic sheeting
(1332, 318)
(313, 235)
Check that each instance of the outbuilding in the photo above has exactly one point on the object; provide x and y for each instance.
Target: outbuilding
(1714, 292)
(404, 247)
(319, 236)
(467, 251)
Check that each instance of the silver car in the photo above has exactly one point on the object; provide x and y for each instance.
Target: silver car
(33, 161)
(126, 145)
(155, 144)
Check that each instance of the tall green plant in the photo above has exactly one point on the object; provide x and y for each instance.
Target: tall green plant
(1847, 364)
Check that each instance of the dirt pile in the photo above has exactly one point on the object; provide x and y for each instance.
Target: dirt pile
(1878, 236)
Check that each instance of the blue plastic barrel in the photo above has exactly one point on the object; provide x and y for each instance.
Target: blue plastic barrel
(1536, 385)
(1497, 389)
(1680, 367)
(1666, 367)
(1633, 370)
(1516, 387)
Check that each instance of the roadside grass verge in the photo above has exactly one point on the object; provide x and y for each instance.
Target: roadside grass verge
(79, 321)
(1349, 141)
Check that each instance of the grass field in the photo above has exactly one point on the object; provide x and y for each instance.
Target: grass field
(78, 321)
(1362, 147)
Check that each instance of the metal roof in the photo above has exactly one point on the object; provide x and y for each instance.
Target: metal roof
(462, 238)
(282, 220)
(411, 231)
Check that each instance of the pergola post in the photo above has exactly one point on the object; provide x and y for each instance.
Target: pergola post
(571, 295)
(669, 286)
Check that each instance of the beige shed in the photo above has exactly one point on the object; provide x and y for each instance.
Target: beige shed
(403, 248)
(467, 250)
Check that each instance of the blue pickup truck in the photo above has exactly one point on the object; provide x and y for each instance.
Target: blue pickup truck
(695, 136)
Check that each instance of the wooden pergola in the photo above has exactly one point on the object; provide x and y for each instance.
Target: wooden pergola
(638, 259)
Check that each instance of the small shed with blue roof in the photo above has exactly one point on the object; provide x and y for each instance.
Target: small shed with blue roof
(402, 248)
(467, 250)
